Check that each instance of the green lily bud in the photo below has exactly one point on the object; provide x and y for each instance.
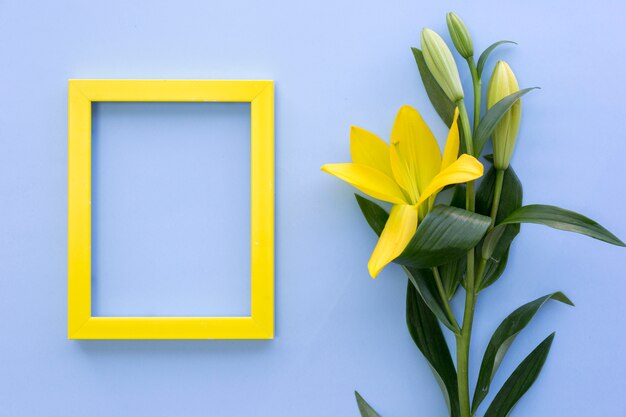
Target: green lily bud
(441, 64)
(502, 84)
(460, 35)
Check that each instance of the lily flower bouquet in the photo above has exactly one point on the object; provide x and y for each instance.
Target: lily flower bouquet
(465, 242)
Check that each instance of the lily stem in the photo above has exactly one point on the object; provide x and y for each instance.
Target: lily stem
(480, 271)
(462, 350)
(463, 339)
(497, 191)
(444, 298)
(477, 90)
(465, 126)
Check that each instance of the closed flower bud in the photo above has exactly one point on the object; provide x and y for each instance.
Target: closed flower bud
(502, 84)
(441, 64)
(460, 35)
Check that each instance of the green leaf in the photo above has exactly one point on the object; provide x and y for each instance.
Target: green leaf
(491, 242)
(493, 270)
(562, 219)
(452, 275)
(520, 380)
(510, 200)
(428, 337)
(365, 409)
(424, 282)
(442, 104)
(458, 197)
(445, 234)
(485, 55)
(493, 116)
(375, 215)
(502, 340)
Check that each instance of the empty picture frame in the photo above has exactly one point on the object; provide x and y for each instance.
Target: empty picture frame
(260, 323)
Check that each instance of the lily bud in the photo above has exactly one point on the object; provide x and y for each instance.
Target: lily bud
(460, 35)
(502, 84)
(441, 64)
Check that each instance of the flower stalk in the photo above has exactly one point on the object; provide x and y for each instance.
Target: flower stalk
(477, 84)
(497, 192)
(463, 339)
(444, 298)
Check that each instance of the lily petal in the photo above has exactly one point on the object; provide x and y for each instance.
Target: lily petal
(417, 156)
(402, 174)
(368, 149)
(464, 169)
(398, 231)
(369, 180)
(451, 152)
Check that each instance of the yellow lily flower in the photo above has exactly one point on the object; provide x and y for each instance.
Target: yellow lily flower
(407, 173)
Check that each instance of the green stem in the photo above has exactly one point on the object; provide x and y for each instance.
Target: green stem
(480, 271)
(444, 298)
(462, 350)
(477, 90)
(497, 192)
(465, 126)
(463, 339)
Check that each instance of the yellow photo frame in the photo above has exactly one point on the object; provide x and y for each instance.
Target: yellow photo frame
(260, 323)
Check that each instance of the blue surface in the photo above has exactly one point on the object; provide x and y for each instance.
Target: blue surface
(335, 64)
(169, 182)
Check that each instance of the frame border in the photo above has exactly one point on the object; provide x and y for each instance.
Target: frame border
(260, 95)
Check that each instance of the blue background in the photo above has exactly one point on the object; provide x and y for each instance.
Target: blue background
(169, 182)
(335, 64)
